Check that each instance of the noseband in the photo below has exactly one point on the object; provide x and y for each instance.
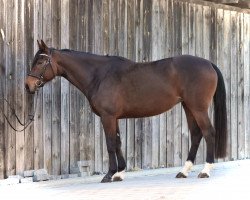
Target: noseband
(40, 77)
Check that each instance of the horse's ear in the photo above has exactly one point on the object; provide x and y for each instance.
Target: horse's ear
(42, 46)
(39, 45)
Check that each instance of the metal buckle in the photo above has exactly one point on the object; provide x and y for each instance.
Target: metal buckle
(39, 83)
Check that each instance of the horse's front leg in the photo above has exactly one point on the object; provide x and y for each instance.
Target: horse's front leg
(109, 125)
(119, 176)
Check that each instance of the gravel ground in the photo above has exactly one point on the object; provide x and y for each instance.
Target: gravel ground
(228, 180)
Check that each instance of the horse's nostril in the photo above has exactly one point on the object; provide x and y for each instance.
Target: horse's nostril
(27, 87)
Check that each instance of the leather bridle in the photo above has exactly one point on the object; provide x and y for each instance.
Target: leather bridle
(40, 82)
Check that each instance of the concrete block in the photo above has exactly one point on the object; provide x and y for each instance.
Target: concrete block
(41, 175)
(28, 173)
(40, 171)
(83, 166)
(27, 180)
(83, 174)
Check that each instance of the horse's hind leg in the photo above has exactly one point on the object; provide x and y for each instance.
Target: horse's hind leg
(196, 136)
(208, 133)
(119, 176)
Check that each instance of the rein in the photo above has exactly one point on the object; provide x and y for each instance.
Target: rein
(24, 124)
(39, 83)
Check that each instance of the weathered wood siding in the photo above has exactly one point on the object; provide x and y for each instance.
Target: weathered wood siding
(65, 130)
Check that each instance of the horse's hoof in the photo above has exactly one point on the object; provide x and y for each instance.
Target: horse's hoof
(117, 179)
(106, 180)
(180, 175)
(203, 175)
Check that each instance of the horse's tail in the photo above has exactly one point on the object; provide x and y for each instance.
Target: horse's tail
(220, 116)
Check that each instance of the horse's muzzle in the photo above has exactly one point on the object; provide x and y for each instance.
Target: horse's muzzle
(27, 88)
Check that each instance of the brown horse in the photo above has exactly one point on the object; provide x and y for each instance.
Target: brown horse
(120, 88)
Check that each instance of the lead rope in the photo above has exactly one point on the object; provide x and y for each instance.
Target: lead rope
(25, 124)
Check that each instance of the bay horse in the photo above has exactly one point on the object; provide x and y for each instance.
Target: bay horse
(119, 88)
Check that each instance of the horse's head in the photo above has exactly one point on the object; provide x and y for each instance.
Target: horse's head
(42, 70)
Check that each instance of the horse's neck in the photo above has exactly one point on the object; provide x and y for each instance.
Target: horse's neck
(80, 71)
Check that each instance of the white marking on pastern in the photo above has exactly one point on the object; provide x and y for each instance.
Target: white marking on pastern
(119, 175)
(187, 168)
(208, 167)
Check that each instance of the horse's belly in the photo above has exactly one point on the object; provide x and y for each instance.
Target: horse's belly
(149, 107)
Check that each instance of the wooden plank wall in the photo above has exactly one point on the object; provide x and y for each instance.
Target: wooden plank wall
(65, 130)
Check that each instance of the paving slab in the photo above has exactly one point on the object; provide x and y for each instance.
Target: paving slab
(229, 180)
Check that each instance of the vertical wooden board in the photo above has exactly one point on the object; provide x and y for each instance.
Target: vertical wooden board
(207, 23)
(199, 52)
(38, 123)
(167, 54)
(10, 137)
(233, 96)
(177, 108)
(113, 27)
(169, 30)
(206, 43)
(91, 116)
(220, 42)
(147, 122)
(156, 52)
(101, 155)
(47, 37)
(247, 83)
(146, 143)
(74, 96)
(64, 92)
(122, 51)
(162, 117)
(131, 54)
(2, 87)
(87, 136)
(139, 57)
(29, 99)
(227, 73)
(82, 8)
(213, 32)
(170, 114)
(192, 29)
(170, 138)
(177, 135)
(240, 84)
(19, 88)
(56, 96)
(177, 28)
(185, 41)
(74, 152)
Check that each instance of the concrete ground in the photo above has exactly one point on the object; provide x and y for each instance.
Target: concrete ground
(230, 180)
